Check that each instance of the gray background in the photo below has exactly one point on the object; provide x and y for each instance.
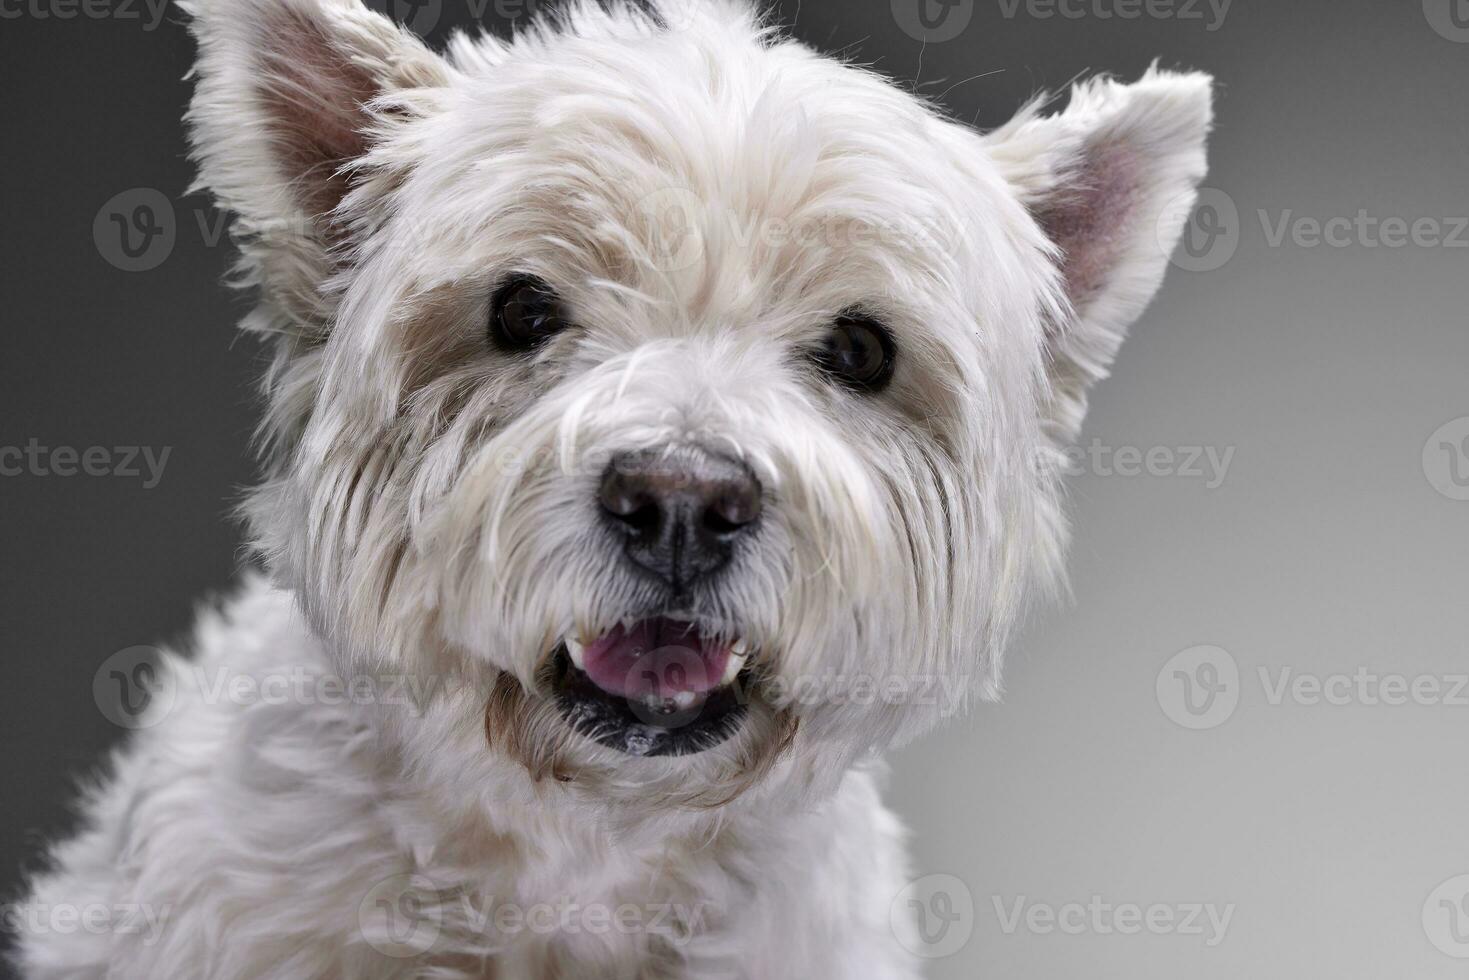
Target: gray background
(1327, 548)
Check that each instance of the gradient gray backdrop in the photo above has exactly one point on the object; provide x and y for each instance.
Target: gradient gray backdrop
(1334, 543)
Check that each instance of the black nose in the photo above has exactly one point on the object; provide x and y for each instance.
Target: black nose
(680, 510)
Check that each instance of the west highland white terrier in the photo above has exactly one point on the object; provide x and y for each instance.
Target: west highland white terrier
(663, 419)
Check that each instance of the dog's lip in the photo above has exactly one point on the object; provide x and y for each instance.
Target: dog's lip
(658, 659)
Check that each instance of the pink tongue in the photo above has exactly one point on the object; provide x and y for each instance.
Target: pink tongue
(655, 657)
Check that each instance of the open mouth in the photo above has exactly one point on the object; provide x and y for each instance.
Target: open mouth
(657, 687)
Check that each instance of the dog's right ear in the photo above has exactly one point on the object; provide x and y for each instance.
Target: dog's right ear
(291, 95)
(1110, 181)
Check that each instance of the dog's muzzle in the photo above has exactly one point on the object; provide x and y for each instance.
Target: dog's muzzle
(664, 685)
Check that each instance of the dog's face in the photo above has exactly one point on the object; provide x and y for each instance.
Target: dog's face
(690, 395)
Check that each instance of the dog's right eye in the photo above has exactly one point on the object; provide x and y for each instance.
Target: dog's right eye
(858, 352)
(525, 313)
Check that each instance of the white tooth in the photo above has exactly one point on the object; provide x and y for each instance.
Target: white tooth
(684, 699)
(732, 668)
(741, 647)
(577, 651)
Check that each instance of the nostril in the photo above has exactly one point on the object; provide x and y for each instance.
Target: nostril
(644, 518)
(732, 511)
(629, 502)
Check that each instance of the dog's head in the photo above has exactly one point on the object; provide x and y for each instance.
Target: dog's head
(692, 394)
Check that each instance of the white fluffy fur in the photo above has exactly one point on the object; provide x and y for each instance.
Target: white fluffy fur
(426, 510)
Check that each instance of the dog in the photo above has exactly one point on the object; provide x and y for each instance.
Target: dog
(663, 419)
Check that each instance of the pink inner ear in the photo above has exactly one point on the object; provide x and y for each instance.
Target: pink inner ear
(313, 96)
(1090, 216)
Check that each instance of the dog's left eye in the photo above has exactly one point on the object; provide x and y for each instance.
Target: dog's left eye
(525, 314)
(858, 352)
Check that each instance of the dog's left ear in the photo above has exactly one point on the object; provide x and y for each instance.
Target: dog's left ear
(291, 97)
(1111, 181)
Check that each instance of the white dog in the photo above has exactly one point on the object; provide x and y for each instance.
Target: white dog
(663, 419)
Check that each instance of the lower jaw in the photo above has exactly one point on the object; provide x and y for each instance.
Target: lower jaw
(640, 730)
